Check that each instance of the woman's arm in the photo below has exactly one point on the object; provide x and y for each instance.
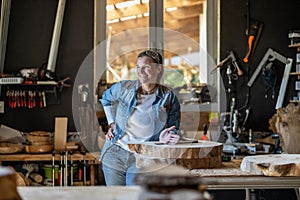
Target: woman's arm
(171, 134)
(108, 102)
(174, 114)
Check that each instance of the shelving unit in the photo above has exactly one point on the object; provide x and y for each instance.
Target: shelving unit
(92, 160)
(295, 46)
(297, 73)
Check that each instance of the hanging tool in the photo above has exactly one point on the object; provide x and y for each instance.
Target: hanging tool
(235, 121)
(271, 55)
(61, 83)
(253, 36)
(233, 61)
(229, 74)
(253, 33)
(247, 111)
(232, 106)
(269, 77)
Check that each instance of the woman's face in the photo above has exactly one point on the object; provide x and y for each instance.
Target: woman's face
(147, 70)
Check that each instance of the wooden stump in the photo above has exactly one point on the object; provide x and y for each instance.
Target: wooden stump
(204, 154)
(286, 122)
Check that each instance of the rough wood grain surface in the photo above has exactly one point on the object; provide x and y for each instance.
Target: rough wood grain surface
(286, 122)
(272, 165)
(8, 186)
(204, 154)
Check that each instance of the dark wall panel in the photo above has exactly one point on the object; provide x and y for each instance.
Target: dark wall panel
(278, 17)
(30, 33)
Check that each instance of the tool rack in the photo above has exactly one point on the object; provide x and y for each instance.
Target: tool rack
(35, 95)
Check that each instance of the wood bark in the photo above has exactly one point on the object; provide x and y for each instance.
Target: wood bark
(286, 122)
(8, 187)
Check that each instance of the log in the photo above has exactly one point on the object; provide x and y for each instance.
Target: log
(272, 165)
(203, 154)
(22, 180)
(8, 186)
(286, 122)
(36, 177)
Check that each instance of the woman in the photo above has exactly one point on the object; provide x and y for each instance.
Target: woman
(137, 111)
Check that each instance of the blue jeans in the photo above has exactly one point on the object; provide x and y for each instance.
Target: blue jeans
(119, 166)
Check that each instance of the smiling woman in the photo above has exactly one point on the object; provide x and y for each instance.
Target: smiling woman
(137, 111)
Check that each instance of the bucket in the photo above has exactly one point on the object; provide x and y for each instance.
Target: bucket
(48, 171)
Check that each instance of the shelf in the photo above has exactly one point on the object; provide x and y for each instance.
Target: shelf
(296, 73)
(295, 46)
(91, 158)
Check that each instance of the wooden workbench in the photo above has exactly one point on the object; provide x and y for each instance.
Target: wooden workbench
(80, 193)
(92, 159)
(231, 177)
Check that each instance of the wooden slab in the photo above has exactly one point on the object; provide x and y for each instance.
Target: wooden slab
(60, 133)
(272, 165)
(204, 154)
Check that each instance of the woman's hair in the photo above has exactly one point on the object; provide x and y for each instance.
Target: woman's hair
(157, 58)
(154, 55)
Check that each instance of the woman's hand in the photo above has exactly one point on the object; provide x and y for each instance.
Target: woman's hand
(110, 135)
(167, 136)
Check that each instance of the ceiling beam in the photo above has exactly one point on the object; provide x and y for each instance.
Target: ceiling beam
(196, 7)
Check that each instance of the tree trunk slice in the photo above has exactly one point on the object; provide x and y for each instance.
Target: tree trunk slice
(204, 154)
(272, 165)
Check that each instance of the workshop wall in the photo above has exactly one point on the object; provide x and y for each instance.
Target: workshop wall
(30, 33)
(29, 38)
(278, 18)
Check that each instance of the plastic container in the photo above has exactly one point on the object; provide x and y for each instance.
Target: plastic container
(48, 171)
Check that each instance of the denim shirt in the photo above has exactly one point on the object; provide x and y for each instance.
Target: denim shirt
(123, 96)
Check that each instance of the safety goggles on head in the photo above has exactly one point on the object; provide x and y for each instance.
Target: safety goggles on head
(152, 54)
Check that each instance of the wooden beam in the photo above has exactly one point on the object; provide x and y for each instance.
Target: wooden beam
(143, 23)
(181, 12)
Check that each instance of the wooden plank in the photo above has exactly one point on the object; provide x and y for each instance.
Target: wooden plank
(60, 133)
